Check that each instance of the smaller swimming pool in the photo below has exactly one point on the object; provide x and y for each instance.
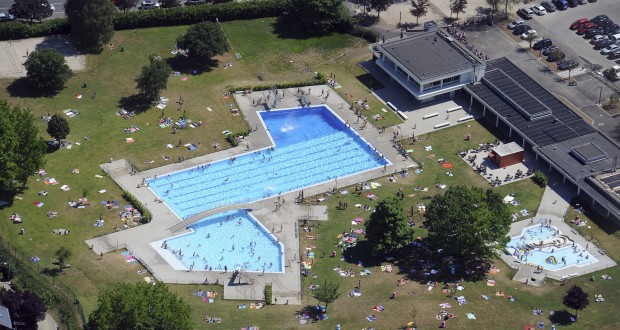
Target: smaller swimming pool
(546, 246)
(230, 240)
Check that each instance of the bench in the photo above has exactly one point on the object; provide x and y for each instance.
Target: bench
(402, 115)
(442, 125)
(455, 109)
(431, 115)
(466, 118)
(392, 106)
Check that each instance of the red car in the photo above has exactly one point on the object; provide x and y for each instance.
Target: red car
(585, 27)
(578, 22)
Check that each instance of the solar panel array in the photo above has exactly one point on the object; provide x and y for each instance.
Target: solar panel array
(613, 181)
(505, 87)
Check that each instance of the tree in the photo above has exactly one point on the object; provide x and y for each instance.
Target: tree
(58, 127)
(21, 149)
(31, 9)
(457, 6)
(316, 17)
(154, 78)
(576, 298)
(62, 255)
(508, 3)
(170, 3)
(388, 229)
(327, 292)
(557, 55)
(379, 5)
(91, 22)
(468, 223)
(47, 70)
(203, 41)
(125, 5)
(419, 8)
(25, 306)
(530, 38)
(140, 306)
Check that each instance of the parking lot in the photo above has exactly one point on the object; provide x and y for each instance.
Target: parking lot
(555, 26)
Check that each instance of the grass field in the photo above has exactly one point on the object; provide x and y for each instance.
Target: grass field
(277, 57)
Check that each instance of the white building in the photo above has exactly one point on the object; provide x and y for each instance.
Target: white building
(429, 65)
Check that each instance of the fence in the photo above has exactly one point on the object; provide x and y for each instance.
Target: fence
(56, 286)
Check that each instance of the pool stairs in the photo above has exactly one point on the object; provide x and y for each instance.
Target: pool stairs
(185, 223)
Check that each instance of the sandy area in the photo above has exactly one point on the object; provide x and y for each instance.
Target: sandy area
(438, 10)
(13, 54)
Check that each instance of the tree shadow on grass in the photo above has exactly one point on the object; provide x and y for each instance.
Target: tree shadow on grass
(284, 31)
(362, 252)
(369, 81)
(50, 271)
(562, 317)
(135, 102)
(21, 87)
(186, 65)
(310, 312)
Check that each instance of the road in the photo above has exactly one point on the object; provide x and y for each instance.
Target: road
(59, 5)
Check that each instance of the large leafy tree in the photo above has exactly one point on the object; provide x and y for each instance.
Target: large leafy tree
(327, 292)
(140, 306)
(203, 41)
(388, 229)
(125, 5)
(468, 223)
(25, 306)
(153, 78)
(419, 8)
(58, 127)
(21, 149)
(31, 9)
(47, 70)
(507, 3)
(576, 298)
(457, 6)
(380, 5)
(316, 17)
(92, 23)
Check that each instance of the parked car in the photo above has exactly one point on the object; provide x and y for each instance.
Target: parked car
(605, 23)
(602, 43)
(529, 33)
(560, 4)
(585, 27)
(609, 49)
(592, 32)
(549, 7)
(548, 50)
(578, 22)
(195, 2)
(514, 24)
(148, 4)
(611, 29)
(520, 29)
(5, 17)
(526, 13)
(597, 38)
(599, 18)
(567, 65)
(582, 2)
(542, 43)
(553, 56)
(573, 3)
(614, 55)
(539, 10)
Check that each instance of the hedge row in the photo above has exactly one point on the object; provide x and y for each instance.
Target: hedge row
(185, 15)
(318, 80)
(146, 214)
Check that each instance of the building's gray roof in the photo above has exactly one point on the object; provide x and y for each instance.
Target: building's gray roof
(429, 55)
(563, 155)
(605, 198)
(507, 149)
(5, 318)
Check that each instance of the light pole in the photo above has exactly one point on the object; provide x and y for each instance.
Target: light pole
(600, 95)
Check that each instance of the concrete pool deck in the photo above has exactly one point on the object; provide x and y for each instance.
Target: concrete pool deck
(287, 286)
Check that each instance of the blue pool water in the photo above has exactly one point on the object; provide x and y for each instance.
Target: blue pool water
(556, 248)
(312, 146)
(233, 239)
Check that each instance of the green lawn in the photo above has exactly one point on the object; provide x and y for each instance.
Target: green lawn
(278, 58)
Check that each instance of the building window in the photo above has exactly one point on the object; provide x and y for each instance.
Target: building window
(451, 80)
(390, 62)
(414, 83)
(433, 85)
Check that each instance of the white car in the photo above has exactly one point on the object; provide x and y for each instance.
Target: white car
(529, 33)
(539, 10)
(515, 24)
(596, 38)
(148, 4)
(609, 49)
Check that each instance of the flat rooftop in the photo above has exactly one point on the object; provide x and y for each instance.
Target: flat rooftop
(429, 55)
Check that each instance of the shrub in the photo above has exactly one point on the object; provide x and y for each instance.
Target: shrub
(318, 80)
(364, 33)
(233, 138)
(540, 179)
(268, 294)
(146, 214)
(22, 30)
